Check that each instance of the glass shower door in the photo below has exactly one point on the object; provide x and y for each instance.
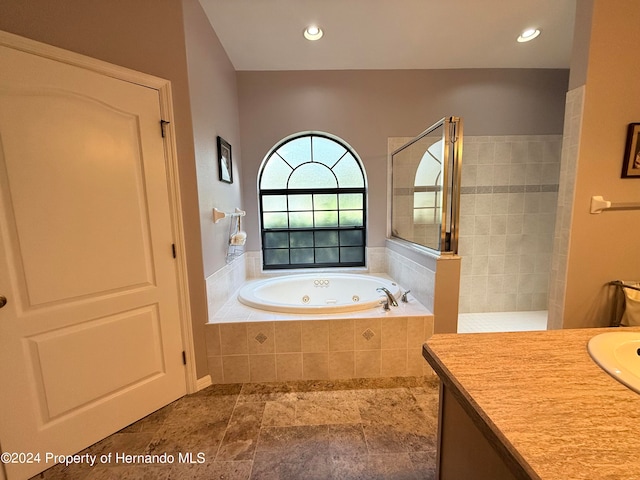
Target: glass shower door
(426, 187)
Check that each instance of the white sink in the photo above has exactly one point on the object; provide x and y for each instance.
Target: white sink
(618, 353)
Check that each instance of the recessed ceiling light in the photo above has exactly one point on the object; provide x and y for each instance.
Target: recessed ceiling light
(313, 32)
(528, 35)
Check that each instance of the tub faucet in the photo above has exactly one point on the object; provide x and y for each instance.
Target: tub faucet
(392, 299)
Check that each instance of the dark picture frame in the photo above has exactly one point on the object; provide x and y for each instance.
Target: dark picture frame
(631, 164)
(225, 170)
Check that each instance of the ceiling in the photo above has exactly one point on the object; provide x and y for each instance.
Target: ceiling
(393, 34)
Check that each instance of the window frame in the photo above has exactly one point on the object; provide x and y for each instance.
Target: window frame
(339, 230)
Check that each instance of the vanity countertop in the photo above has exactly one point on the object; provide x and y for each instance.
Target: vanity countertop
(543, 403)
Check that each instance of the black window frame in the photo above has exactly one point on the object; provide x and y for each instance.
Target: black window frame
(342, 249)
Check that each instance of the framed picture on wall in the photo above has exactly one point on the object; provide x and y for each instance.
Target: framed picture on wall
(224, 161)
(631, 164)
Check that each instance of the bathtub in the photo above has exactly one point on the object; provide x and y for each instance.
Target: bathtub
(317, 293)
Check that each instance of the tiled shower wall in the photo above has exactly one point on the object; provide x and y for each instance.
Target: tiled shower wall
(558, 278)
(507, 216)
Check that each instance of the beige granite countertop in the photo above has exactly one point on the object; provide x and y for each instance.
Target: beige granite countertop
(556, 413)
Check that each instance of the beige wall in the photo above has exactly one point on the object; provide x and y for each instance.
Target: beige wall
(366, 107)
(144, 35)
(214, 110)
(604, 247)
(581, 41)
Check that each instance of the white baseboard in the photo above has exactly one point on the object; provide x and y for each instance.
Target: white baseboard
(203, 382)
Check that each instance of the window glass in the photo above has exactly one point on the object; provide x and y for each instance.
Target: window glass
(327, 151)
(325, 201)
(276, 256)
(351, 254)
(351, 238)
(300, 202)
(327, 239)
(327, 255)
(276, 239)
(312, 175)
(349, 173)
(274, 203)
(325, 219)
(308, 217)
(301, 219)
(274, 220)
(351, 218)
(296, 152)
(301, 239)
(276, 175)
(351, 201)
(302, 255)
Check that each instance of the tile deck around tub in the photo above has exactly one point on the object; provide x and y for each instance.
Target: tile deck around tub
(250, 345)
(234, 311)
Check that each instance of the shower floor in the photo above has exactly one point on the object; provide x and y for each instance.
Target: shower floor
(502, 321)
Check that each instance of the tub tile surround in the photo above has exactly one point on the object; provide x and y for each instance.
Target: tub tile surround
(224, 284)
(509, 198)
(418, 278)
(245, 344)
(319, 349)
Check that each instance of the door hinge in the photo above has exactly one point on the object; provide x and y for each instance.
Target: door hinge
(173, 249)
(184, 357)
(163, 125)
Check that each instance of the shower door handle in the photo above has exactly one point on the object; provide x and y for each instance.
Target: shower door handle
(3, 301)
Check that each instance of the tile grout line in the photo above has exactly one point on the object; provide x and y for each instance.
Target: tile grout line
(255, 450)
(228, 422)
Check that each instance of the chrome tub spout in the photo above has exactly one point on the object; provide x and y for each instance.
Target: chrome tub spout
(392, 299)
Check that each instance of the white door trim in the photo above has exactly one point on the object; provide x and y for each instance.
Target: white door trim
(166, 109)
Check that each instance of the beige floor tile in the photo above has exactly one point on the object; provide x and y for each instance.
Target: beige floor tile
(362, 428)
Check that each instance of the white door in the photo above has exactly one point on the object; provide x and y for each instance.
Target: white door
(90, 336)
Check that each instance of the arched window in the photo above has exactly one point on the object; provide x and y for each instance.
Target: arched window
(312, 194)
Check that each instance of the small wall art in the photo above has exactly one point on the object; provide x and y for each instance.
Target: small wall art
(631, 164)
(225, 170)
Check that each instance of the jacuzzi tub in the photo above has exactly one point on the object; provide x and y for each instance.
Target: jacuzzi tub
(317, 293)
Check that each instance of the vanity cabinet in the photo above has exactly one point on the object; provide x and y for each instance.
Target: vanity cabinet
(531, 405)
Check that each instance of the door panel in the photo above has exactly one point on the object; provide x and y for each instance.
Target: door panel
(95, 184)
(128, 342)
(91, 333)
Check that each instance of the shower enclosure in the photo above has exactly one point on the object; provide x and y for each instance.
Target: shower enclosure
(425, 182)
(509, 196)
(498, 213)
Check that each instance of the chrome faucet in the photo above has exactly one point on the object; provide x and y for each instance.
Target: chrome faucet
(392, 299)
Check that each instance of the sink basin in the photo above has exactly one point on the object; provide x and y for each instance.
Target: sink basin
(618, 353)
